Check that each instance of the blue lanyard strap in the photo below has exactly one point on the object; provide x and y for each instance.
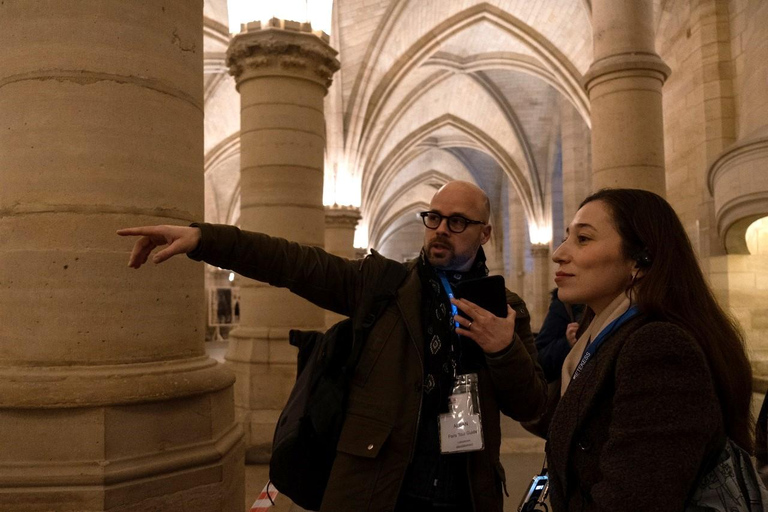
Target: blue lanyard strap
(592, 348)
(449, 291)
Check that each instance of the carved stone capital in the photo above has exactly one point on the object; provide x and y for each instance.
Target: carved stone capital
(540, 250)
(282, 48)
(342, 216)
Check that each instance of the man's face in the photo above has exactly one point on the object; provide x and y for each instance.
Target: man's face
(446, 250)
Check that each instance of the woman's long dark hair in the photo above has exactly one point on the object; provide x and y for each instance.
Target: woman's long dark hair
(673, 288)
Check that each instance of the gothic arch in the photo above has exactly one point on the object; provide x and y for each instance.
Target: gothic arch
(374, 183)
(381, 218)
(550, 57)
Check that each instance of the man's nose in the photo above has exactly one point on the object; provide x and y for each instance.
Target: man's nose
(443, 226)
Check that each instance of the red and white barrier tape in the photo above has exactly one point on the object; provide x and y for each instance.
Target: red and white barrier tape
(263, 502)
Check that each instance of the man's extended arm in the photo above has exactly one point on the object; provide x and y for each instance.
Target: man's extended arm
(325, 280)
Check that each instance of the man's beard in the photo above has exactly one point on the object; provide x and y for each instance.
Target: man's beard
(443, 263)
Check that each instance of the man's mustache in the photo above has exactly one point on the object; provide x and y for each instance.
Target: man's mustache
(440, 241)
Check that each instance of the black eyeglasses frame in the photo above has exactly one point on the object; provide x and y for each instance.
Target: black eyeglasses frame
(466, 221)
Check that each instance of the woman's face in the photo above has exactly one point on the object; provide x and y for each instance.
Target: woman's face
(592, 269)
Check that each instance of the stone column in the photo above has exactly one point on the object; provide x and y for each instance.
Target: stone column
(516, 236)
(283, 72)
(577, 174)
(624, 85)
(340, 223)
(542, 283)
(107, 399)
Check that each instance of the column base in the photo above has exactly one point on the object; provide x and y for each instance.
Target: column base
(265, 365)
(185, 454)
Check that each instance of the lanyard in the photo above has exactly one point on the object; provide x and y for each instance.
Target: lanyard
(591, 349)
(449, 291)
(454, 312)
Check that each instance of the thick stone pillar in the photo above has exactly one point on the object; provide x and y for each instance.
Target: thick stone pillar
(283, 72)
(538, 304)
(107, 399)
(340, 223)
(624, 85)
(516, 237)
(577, 174)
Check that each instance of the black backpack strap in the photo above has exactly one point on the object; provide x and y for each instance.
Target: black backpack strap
(374, 300)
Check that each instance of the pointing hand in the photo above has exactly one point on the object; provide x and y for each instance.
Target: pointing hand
(179, 239)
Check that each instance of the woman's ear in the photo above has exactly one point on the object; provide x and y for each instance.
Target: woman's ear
(642, 259)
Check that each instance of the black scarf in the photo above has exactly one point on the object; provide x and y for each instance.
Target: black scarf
(442, 347)
(432, 475)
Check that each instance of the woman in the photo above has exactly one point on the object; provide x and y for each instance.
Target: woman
(659, 377)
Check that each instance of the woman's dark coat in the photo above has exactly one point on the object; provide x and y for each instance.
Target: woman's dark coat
(632, 431)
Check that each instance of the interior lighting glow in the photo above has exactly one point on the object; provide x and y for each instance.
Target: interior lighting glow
(540, 234)
(317, 12)
(340, 187)
(757, 236)
(361, 236)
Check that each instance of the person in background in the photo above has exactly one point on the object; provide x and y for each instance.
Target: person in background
(557, 335)
(659, 380)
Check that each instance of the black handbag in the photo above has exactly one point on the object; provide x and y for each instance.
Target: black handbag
(732, 485)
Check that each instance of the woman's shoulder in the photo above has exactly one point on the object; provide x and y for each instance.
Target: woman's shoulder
(662, 341)
(661, 330)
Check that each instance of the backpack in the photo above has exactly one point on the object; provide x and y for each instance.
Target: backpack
(308, 429)
(732, 485)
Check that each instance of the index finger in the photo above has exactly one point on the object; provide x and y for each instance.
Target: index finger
(139, 231)
(465, 305)
(472, 309)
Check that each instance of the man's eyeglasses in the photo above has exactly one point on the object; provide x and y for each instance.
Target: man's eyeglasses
(456, 223)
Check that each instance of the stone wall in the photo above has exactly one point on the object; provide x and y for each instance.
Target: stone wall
(714, 101)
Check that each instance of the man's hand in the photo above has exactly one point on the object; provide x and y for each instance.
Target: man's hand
(491, 333)
(180, 240)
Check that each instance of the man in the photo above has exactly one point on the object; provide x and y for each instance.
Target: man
(389, 453)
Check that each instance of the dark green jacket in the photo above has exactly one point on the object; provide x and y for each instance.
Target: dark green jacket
(379, 432)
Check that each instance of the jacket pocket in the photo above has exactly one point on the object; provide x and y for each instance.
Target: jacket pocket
(363, 437)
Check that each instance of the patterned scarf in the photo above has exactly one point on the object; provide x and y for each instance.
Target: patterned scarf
(443, 347)
(441, 479)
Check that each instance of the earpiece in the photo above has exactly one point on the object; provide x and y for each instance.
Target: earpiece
(643, 259)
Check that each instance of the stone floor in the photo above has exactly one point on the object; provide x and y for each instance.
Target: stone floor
(522, 456)
(520, 468)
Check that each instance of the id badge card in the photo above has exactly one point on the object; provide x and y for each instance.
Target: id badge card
(461, 429)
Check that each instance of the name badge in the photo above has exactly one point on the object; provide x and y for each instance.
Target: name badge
(461, 428)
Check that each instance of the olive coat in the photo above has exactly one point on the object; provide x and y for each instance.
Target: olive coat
(379, 431)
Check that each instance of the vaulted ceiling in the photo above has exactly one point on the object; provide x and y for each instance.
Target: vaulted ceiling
(429, 90)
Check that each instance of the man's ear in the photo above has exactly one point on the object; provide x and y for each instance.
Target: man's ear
(485, 234)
